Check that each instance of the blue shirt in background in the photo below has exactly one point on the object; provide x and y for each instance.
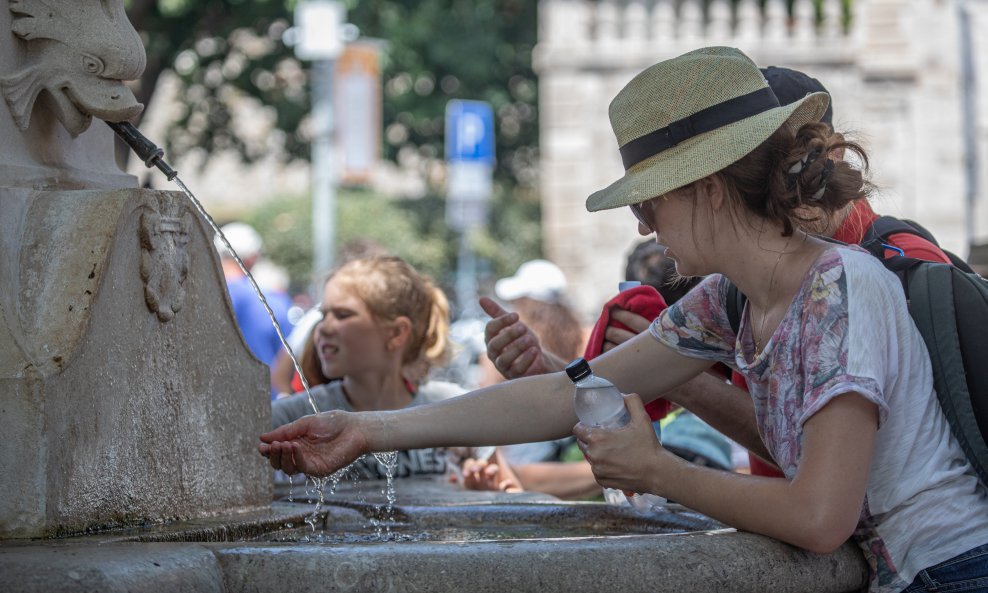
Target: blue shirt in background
(253, 319)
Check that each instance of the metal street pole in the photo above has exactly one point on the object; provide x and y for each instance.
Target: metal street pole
(466, 277)
(323, 182)
(969, 118)
(469, 185)
(319, 38)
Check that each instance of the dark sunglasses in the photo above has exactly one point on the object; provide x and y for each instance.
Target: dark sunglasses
(639, 211)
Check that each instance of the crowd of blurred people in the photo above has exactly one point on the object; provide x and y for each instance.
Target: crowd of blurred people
(532, 330)
(364, 348)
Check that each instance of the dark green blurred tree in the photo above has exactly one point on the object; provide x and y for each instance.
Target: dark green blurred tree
(366, 221)
(435, 50)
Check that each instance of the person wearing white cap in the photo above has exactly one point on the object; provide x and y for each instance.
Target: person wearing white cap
(537, 294)
(840, 379)
(536, 279)
(252, 318)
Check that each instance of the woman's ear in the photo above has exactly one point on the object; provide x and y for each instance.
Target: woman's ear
(401, 329)
(716, 192)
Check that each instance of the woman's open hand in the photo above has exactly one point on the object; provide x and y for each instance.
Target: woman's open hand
(316, 445)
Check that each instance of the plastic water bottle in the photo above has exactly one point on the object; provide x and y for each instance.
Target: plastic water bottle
(599, 403)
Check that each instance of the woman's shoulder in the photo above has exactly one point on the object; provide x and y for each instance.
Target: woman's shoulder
(856, 264)
(853, 273)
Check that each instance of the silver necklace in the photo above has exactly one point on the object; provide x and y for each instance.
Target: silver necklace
(771, 287)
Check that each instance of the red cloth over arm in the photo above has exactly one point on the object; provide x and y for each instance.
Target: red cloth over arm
(641, 300)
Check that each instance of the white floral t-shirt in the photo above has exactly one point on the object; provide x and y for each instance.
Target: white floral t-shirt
(848, 329)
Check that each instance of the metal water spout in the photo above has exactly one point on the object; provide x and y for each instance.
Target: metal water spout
(148, 151)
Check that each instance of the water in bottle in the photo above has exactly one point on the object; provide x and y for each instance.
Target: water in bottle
(599, 403)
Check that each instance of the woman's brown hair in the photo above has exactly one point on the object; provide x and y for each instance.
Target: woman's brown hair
(795, 179)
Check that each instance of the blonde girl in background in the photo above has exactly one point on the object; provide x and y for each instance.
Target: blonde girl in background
(384, 327)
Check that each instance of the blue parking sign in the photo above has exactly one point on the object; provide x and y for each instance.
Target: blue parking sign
(469, 132)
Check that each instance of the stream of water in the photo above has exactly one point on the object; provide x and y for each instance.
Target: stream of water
(253, 283)
(388, 460)
(154, 157)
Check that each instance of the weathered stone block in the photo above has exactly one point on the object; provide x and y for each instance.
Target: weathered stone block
(127, 393)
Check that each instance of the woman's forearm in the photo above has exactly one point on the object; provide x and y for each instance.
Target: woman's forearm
(769, 506)
(524, 410)
(818, 509)
(528, 409)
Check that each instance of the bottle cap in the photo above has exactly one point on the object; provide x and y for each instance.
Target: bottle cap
(626, 284)
(578, 370)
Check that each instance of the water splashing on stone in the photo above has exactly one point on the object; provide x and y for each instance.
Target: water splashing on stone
(389, 461)
(320, 485)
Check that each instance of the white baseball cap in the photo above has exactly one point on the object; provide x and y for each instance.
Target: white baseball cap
(242, 237)
(537, 279)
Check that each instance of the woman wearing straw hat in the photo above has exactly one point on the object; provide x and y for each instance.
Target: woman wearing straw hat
(840, 380)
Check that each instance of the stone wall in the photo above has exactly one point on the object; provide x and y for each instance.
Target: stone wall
(894, 74)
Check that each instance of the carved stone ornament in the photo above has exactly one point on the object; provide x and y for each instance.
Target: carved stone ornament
(79, 52)
(164, 234)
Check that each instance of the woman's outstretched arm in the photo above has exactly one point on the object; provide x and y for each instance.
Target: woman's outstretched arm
(524, 410)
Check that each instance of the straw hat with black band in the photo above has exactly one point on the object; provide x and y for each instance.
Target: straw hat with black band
(689, 117)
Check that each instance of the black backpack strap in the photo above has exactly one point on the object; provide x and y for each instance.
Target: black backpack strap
(876, 238)
(902, 266)
(890, 225)
(735, 305)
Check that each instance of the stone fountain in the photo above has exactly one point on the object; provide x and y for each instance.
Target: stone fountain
(127, 392)
(130, 405)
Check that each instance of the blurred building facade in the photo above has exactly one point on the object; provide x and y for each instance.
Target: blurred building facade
(894, 69)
